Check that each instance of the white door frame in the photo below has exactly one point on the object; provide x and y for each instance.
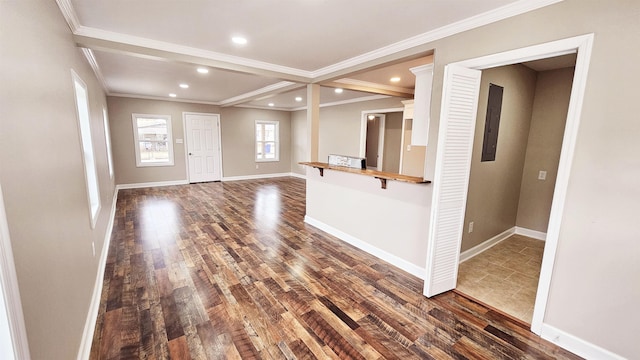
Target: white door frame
(16, 347)
(363, 132)
(186, 142)
(582, 45)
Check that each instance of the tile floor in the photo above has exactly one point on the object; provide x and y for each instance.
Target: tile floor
(505, 276)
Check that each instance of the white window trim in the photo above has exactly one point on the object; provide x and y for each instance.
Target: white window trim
(136, 140)
(88, 155)
(277, 140)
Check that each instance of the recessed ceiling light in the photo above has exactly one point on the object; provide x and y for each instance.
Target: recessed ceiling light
(298, 98)
(271, 104)
(184, 86)
(202, 70)
(173, 95)
(395, 79)
(239, 40)
(338, 91)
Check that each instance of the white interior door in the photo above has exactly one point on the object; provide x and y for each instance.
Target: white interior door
(203, 147)
(451, 178)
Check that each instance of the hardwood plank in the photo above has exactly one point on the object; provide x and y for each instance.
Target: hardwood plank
(231, 271)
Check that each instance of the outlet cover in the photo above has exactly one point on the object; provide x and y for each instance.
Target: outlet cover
(542, 175)
(470, 227)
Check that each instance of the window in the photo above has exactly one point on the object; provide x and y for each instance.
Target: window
(107, 140)
(153, 144)
(267, 141)
(91, 175)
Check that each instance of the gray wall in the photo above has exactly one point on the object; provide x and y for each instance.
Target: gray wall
(494, 186)
(237, 133)
(42, 174)
(548, 120)
(597, 256)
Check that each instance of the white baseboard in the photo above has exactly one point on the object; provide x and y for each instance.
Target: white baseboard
(151, 184)
(468, 254)
(486, 245)
(94, 306)
(362, 245)
(576, 345)
(255, 177)
(539, 235)
(301, 176)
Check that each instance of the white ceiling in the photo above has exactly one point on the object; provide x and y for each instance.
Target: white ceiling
(146, 48)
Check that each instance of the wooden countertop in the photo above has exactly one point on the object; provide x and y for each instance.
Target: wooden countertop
(381, 175)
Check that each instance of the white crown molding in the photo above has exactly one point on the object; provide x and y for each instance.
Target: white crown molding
(69, 13)
(344, 102)
(118, 41)
(372, 85)
(501, 13)
(356, 100)
(126, 39)
(261, 107)
(88, 53)
(279, 86)
(161, 98)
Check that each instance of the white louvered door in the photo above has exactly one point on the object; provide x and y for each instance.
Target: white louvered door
(451, 178)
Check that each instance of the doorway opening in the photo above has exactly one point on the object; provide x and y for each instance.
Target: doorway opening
(381, 139)
(453, 162)
(375, 141)
(510, 193)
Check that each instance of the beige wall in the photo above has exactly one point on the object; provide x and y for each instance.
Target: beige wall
(413, 156)
(340, 126)
(238, 142)
(237, 133)
(42, 174)
(298, 141)
(548, 119)
(392, 139)
(591, 296)
(494, 186)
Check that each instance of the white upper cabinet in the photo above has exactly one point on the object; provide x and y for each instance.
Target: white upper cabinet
(422, 104)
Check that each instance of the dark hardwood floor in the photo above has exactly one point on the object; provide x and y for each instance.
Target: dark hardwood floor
(230, 270)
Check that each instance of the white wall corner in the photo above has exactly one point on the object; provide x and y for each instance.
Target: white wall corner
(364, 246)
(486, 245)
(576, 345)
(90, 324)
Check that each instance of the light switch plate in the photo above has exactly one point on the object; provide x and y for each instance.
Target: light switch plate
(542, 175)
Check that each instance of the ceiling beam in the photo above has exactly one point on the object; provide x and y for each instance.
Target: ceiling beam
(273, 89)
(358, 85)
(151, 49)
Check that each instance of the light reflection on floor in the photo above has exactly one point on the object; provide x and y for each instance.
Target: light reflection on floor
(267, 207)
